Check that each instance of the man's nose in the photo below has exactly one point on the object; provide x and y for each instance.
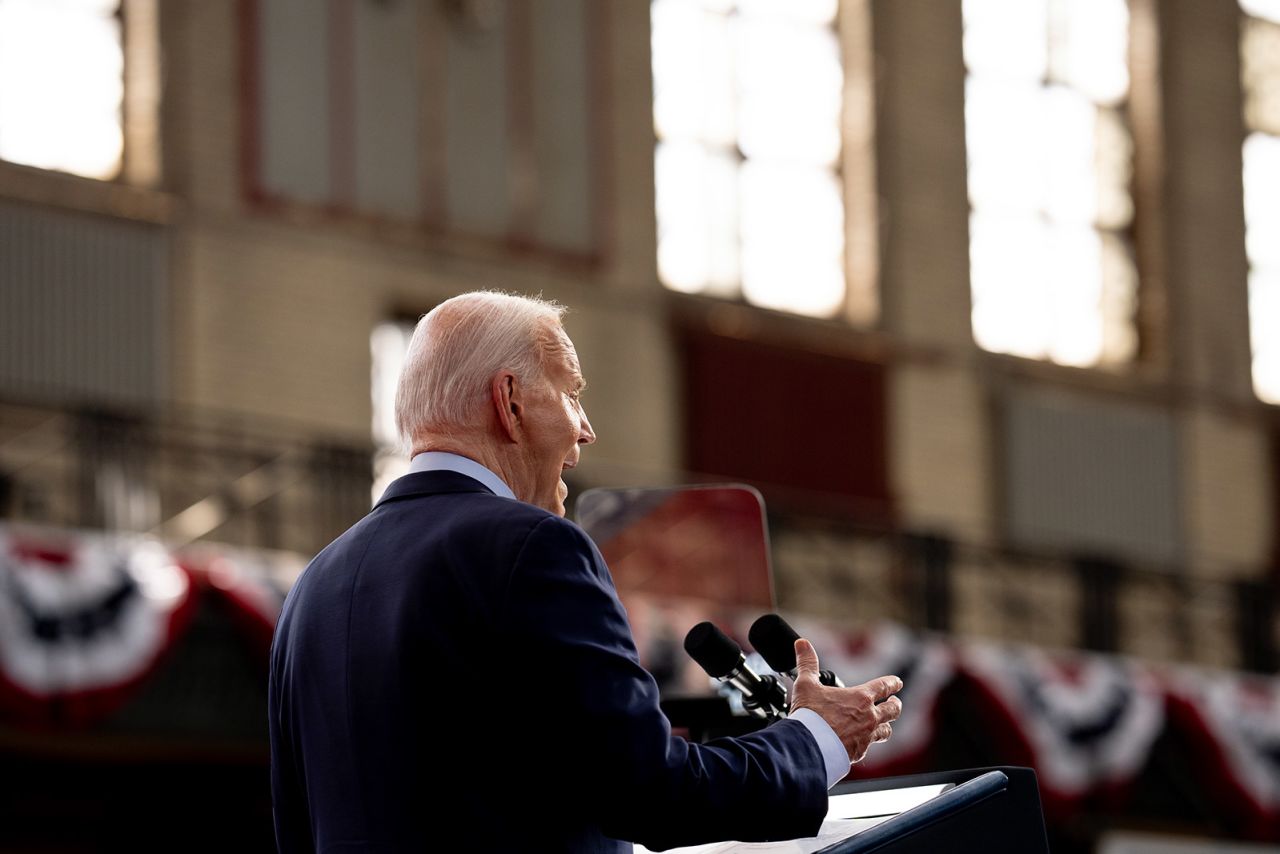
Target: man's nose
(586, 435)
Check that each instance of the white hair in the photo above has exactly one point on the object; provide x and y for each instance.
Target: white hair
(456, 349)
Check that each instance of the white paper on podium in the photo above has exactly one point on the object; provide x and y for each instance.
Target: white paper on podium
(830, 833)
(846, 816)
(885, 802)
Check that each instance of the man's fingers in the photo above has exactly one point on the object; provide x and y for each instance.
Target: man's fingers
(882, 733)
(889, 710)
(883, 687)
(806, 659)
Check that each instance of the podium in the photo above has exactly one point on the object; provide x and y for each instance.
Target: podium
(988, 810)
(650, 537)
(992, 810)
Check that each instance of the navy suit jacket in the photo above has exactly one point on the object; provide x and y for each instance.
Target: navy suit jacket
(455, 672)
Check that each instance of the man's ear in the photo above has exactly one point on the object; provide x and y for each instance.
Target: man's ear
(506, 395)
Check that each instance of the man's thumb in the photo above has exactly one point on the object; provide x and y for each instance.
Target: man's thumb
(806, 658)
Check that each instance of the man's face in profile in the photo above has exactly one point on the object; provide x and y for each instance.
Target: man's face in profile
(556, 425)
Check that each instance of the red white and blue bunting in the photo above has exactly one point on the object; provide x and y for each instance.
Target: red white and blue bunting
(83, 619)
(1233, 722)
(1089, 722)
(1086, 722)
(1243, 716)
(86, 618)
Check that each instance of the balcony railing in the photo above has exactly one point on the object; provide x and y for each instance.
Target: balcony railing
(182, 476)
(185, 476)
(858, 574)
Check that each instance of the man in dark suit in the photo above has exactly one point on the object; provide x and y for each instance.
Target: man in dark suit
(455, 672)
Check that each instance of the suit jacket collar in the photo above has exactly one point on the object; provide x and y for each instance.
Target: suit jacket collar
(422, 483)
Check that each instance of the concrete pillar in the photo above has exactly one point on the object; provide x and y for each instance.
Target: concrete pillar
(1204, 217)
(939, 453)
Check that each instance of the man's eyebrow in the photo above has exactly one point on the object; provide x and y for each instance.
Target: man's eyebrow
(579, 384)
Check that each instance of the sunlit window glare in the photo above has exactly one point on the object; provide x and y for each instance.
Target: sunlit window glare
(61, 85)
(1007, 38)
(1089, 46)
(388, 344)
(1260, 71)
(697, 211)
(1049, 164)
(1268, 10)
(1264, 308)
(792, 238)
(747, 108)
(779, 115)
(693, 87)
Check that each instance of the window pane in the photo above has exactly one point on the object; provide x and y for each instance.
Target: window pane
(693, 92)
(1050, 167)
(387, 345)
(1065, 293)
(792, 238)
(697, 211)
(1073, 269)
(1119, 305)
(1089, 152)
(1007, 170)
(1113, 162)
(748, 99)
(1088, 48)
(1007, 37)
(1011, 309)
(1262, 199)
(1264, 321)
(61, 85)
(813, 12)
(791, 81)
(1066, 120)
(1260, 72)
(1269, 9)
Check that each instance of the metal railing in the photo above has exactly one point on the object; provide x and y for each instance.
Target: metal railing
(182, 476)
(860, 575)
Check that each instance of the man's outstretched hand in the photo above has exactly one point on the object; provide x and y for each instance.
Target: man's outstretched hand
(861, 715)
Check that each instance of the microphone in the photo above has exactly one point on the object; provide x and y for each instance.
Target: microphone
(775, 640)
(716, 653)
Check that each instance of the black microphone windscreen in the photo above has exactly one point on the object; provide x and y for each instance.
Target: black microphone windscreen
(774, 639)
(712, 649)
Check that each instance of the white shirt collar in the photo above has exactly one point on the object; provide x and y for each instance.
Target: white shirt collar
(444, 461)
